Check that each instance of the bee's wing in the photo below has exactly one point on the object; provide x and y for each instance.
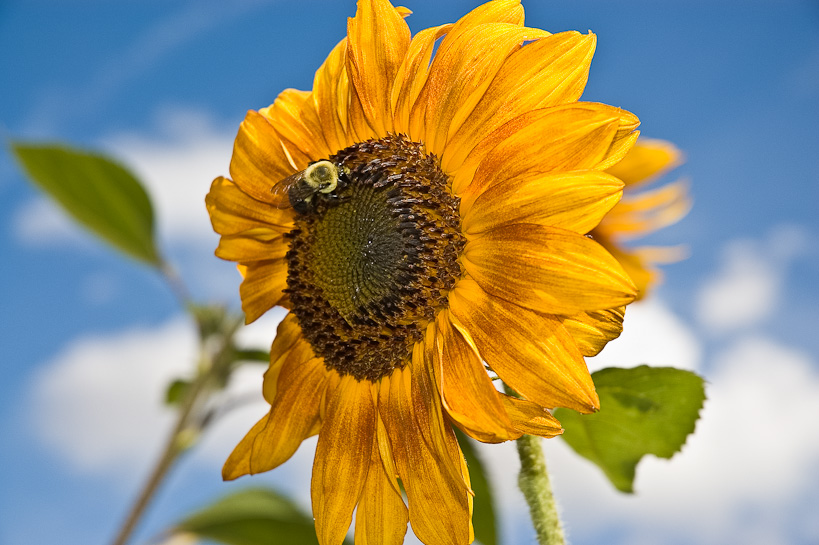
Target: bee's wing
(281, 190)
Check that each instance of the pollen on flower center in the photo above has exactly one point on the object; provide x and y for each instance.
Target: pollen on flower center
(368, 271)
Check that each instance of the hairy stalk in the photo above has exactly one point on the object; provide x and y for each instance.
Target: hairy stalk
(534, 483)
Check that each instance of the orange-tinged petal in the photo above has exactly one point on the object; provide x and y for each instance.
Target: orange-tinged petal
(295, 118)
(263, 287)
(431, 490)
(531, 418)
(259, 158)
(537, 357)
(497, 11)
(238, 463)
(460, 74)
(381, 517)
(648, 211)
(244, 249)
(547, 72)
(467, 393)
(331, 93)
(343, 455)
(592, 330)
(647, 160)
(411, 76)
(288, 344)
(575, 136)
(274, 439)
(232, 211)
(576, 201)
(377, 41)
(547, 269)
(358, 128)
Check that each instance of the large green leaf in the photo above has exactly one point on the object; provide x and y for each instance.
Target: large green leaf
(644, 410)
(254, 516)
(483, 510)
(97, 192)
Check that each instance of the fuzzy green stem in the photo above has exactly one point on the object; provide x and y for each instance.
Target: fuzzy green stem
(534, 483)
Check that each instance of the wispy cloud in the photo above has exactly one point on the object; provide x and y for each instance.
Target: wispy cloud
(748, 285)
(98, 405)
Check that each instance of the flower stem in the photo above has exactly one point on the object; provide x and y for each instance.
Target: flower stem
(534, 483)
(189, 423)
(174, 446)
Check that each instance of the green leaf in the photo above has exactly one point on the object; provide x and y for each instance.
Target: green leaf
(97, 192)
(644, 410)
(254, 516)
(483, 510)
(176, 391)
(254, 356)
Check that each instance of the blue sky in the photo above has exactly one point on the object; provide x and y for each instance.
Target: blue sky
(89, 338)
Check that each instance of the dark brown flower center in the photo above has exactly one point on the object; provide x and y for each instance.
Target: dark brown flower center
(369, 269)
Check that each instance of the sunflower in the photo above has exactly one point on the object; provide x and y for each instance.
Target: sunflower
(431, 239)
(641, 212)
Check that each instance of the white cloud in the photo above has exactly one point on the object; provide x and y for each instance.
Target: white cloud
(98, 405)
(652, 335)
(748, 286)
(744, 476)
(178, 164)
(40, 222)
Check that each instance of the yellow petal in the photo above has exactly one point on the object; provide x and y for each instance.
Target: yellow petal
(238, 463)
(641, 272)
(411, 76)
(295, 118)
(259, 158)
(232, 211)
(547, 72)
(576, 201)
(381, 517)
(331, 92)
(244, 249)
(547, 269)
(275, 438)
(531, 418)
(576, 136)
(289, 344)
(460, 74)
(592, 330)
(648, 211)
(537, 357)
(647, 160)
(497, 11)
(468, 395)
(263, 286)
(439, 506)
(377, 41)
(343, 457)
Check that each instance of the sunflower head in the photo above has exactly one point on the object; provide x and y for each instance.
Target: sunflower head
(423, 217)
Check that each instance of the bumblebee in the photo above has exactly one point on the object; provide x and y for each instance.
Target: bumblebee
(303, 190)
